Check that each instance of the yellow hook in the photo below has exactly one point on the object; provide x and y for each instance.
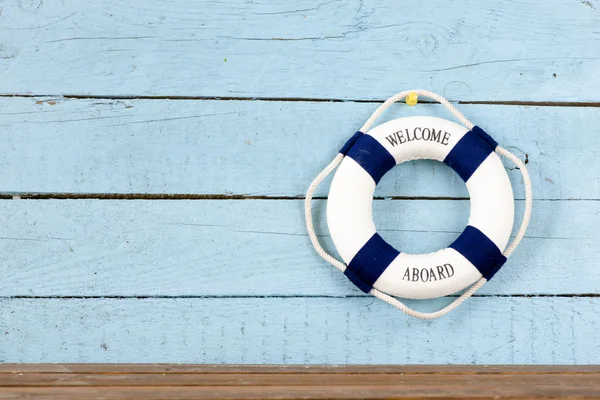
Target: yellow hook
(412, 99)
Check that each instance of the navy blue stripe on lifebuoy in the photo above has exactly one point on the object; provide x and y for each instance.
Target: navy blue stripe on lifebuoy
(354, 278)
(476, 247)
(348, 145)
(483, 134)
(468, 154)
(371, 156)
(369, 263)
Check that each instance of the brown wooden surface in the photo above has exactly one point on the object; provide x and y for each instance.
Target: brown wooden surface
(121, 381)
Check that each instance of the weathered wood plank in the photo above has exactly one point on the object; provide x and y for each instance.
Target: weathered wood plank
(290, 381)
(301, 330)
(263, 148)
(259, 247)
(427, 389)
(513, 50)
(323, 380)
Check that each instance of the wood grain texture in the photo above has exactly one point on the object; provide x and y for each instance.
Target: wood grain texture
(360, 381)
(300, 330)
(263, 148)
(463, 389)
(167, 381)
(323, 380)
(259, 247)
(359, 49)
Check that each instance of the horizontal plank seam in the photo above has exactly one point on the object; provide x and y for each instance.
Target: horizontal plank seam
(292, 296)
(183, 196)
(296, 99)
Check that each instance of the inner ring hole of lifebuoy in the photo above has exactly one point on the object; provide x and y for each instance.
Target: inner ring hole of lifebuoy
(421, 206)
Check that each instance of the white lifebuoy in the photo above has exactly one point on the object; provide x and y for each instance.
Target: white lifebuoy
(477, 252)
(473, 258)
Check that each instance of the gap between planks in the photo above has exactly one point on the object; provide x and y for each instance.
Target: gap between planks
(63, 379)
(184, 196)
(289, 296)
(300, 99)
(351, 369)
(214, 196)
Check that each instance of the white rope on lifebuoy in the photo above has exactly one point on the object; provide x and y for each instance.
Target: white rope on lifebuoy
(508, 249)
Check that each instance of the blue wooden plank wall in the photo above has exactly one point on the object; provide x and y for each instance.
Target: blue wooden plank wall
(154, 156)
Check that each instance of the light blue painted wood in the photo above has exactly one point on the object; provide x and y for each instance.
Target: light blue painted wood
(309, 330)
(258, 247)
(513, 50)
(263, 148)
(256, 291)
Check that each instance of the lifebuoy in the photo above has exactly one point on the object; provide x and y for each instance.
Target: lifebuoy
(472, 259)
(477, 252)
